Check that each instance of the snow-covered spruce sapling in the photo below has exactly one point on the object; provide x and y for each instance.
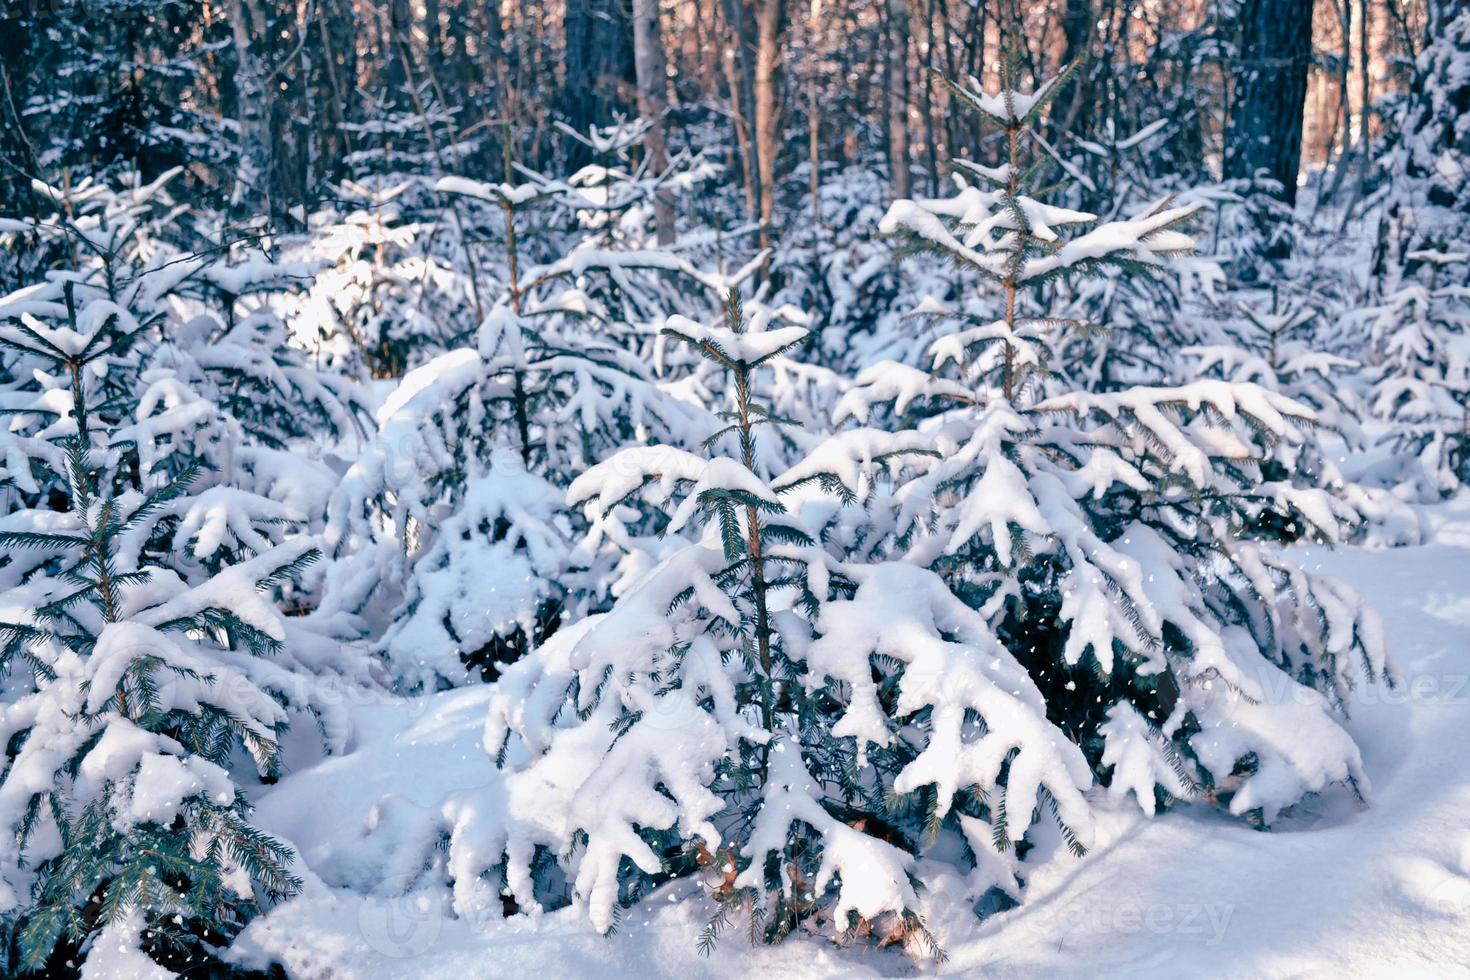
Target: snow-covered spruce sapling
(675, 692)
(129, 693)
(1422, 380)
(52, 362)
(255, 373)
(1421, 325)
(614, 198)
(683, 683)
(138, 393)
(796, 727)
(72, 333)
(616, 290)
(510, 198)
(1282, 349)
(165, 382)
(443, 491)
(568, 375)
(1423, 218)
(998, 227)
(1101, 536)
(494, 579)
(145, 651)
(498, 431)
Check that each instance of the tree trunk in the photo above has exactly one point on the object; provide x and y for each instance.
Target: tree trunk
(813, 117)
(898, 98)
(770, 26)
(16, 156)
(1270, 92)
(324, 82)
(926, 99)
(652, 71)
(599, 67)
(740, 70)
(400, 33)
(1069, 112)
(251, 194)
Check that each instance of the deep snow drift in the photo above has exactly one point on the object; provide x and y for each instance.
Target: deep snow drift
(1335, 887)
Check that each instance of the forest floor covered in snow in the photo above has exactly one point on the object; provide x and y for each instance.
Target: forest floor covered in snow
(1334, 888)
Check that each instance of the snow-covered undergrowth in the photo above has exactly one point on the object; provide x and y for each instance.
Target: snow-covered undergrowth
(1338, 887)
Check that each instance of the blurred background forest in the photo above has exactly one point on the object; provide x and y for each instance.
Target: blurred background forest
(269, 105)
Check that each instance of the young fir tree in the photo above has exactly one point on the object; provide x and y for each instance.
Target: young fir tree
(598, 262)
(1422, 381)
(117, 783)
(143, 648)
(1283, 348)
(1102, 537)
(494, 433)
(1421, 327)
(758, 707)
(198, 339)
(1429, 163)
(614, 196)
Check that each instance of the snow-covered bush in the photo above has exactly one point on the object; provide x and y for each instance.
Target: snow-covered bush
(704, 722)
(1250, 230)
(1285, 351)
(142, 688)
(387, 299)
(494, 433)
(1421, 325)
(493, 582)
(144, 646)
(1429, 163)
(1101, 535)
(1421, 331)
(917, 648)
(838, 269)
(1129, 329)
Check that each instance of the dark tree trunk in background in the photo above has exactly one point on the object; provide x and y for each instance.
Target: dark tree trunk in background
(1070, 111)
(251, 193)
(327, 74)
(456, 71)
(487, 66)
(599, 70)
(1270, 91)
(653, 81)
(898, 98)
(16, 25)
(770, 17)
(335, 76)
(396, 71)
(288, 134)
(740, 71)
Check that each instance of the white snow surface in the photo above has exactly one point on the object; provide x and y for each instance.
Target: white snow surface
(1335, 888)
